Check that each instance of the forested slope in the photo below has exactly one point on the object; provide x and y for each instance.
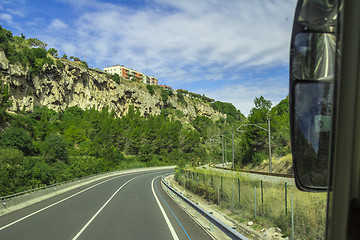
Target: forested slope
(47, 137)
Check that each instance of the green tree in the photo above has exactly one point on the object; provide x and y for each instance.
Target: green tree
(280, 126)
(229, 109)
(4, 95)
(150, 89)
(59, 64)
(189, 140)
(255, 140)
(55, 148)
(164, 95)
(201, 124)
(84, 64)
(53, 52)
(17, 138)
(10, 170)
(116, 78)
(39, 52)
(34, 42)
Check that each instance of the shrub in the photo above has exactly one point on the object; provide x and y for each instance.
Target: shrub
(258, 157)
(150, 89)
(55, 148)
(59, 64)
(164, 95)
(116, 78)
(39, 52)
(17, 138)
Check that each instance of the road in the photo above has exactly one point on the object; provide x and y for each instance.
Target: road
(132, 206)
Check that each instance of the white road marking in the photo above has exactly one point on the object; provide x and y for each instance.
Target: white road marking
(40, 210)
(97, 213)
(173, 233)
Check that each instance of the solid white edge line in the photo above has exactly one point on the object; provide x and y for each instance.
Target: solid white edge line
(97, 213)
(173, 233)
(42, 209)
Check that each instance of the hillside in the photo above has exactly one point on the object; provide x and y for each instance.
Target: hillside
(69, 84)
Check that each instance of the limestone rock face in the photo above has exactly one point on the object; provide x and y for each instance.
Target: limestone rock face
(86, 88)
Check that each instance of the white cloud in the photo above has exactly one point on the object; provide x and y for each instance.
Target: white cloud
(6, 17)
(242, 95)
(57, 24)
(16, 12)
(232, 35)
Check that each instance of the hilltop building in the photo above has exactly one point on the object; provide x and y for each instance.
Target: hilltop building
(166, 87)
(128, 73)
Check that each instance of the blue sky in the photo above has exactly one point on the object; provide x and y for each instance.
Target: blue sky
(229, 50)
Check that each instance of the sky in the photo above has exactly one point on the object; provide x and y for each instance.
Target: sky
(229, 50)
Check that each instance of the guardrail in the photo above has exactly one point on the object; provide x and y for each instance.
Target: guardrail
(8, 197)
(233, 234)
(5, 199)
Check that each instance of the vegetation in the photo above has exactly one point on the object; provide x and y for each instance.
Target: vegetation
(180, 99)
(227, 108)
(150, 88)
(164, 95)
(30, 52)
(116, 78)
(196, 96)
(273, 201)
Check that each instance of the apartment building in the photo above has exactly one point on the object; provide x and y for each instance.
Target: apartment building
(128, 73)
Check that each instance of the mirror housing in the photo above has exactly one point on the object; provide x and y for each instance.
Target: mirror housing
(313, 55)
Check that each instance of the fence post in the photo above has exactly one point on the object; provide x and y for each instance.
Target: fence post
(285, 198)
(221, 184)
(239, 189)
(255, 202)
(233, 200)
(292, 219)
(262, 196)
(219, 193)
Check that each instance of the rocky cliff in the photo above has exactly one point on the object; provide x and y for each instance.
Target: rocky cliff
(75, 85)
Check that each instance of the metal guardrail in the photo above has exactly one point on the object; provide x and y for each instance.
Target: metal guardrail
(8, 197)
(233, 234)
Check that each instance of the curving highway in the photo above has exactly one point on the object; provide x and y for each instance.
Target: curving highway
(131, 206)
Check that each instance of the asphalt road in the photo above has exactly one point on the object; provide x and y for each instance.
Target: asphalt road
(122, 207)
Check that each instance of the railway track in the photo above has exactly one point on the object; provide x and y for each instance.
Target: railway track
(256, 172)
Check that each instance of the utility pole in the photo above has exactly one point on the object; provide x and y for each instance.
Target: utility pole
(222, 142)
(233, 150)
(225, 152)
(269, 133)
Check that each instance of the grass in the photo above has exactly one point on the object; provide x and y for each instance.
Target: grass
(273, 206)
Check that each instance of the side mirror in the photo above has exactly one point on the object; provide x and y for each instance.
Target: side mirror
(313, 57)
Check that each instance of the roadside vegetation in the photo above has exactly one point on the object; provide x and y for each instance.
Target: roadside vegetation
(235, 194)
